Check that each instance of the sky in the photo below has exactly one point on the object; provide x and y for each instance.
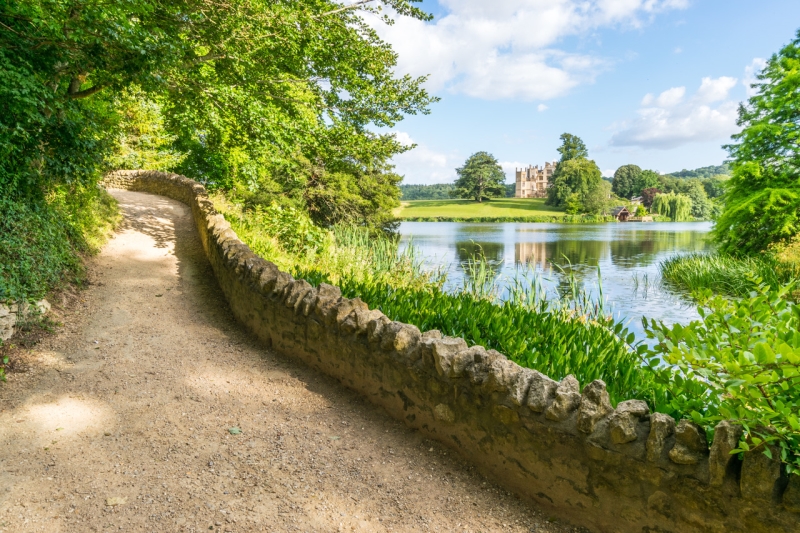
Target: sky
(654, 83)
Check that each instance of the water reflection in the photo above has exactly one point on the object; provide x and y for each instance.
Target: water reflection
(626, 254)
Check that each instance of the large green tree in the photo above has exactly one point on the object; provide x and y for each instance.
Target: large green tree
(626, 180)
(579, 180)
(762, 200)
(480, 178)
(277, 99)
(572, 147)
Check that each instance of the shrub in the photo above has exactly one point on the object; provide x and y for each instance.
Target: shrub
(740, 362)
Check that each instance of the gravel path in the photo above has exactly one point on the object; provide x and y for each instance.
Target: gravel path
(128, 419)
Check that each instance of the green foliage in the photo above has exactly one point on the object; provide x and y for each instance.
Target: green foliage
(438, 191)
(723, 273)
(583, 178)
(701, 206)
(641, 211)
(676, 207)
(647, 179)
(572, 147)
(480, 177)
(626, 178)
(703, 172)
(762, 201)
(41, 242)
(740, 362)
(715, 185)
(573, 204)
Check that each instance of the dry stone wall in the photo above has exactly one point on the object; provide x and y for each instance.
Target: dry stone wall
(611, 470)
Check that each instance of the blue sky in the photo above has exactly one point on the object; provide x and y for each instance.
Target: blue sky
(650, 82)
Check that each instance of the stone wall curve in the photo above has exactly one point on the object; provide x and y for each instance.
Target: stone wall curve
(622, 470)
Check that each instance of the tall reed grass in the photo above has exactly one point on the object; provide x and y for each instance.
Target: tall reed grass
(723, 274)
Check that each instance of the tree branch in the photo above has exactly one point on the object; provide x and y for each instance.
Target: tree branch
(86, 92)
(354, 5)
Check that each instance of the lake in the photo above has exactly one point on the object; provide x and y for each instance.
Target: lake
(628, 255)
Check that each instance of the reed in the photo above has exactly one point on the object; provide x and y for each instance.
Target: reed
(723, 274)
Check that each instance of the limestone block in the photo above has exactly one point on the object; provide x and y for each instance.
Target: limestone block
(518, 393)
(791, 497)
(541, 393)
(295, 292)
(432, 334)
(691, 444)
(502, 374)
(595, 405)
(357, 321)
(375, 328)
(7, 323)
(281, 282)
(760, 474)
(268, 278)
(624, 420)
(326, 299)
(661, 428)
(464, 359)
(660, 503)
(443, 352)
(726, 438)
(342, 308)
(401, 338)
(478, 371)
(567, 400)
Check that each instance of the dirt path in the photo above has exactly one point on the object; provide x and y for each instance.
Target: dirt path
(125, 421)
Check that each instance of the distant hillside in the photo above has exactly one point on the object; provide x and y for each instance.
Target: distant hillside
(702, 172)
(439, 191)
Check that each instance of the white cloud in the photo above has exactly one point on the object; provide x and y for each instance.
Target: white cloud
(678, 50)
(750, 72)
(715, 89)
(508, 48)
(423, 165)
(669, 120)
(510, 168)
(541, 107)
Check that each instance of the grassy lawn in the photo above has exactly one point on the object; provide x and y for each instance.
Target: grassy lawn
(497, 207)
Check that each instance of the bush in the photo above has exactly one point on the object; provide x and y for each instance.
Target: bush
(740, 362)
(41, 242)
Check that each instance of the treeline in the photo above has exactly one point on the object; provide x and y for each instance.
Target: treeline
(687, 197)
(703, 172)
(439, 191)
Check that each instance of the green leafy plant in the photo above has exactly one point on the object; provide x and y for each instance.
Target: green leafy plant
(740, 362)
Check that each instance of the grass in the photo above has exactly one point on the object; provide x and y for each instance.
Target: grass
(724, 274)
(467, 209)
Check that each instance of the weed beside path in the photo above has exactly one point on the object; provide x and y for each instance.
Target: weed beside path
(125, 419)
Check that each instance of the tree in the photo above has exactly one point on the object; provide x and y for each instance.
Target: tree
(278, 100)
(648, 195)
(626, 179)
(572, 147)
(676, 207)
(715, 185)
(762, 199)
(596, 198)
(480, 177)
(579, 176)
(647, 179)
(701, 206)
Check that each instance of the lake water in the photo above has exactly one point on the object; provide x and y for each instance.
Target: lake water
(628, 255)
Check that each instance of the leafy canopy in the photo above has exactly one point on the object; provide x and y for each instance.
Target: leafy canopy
(572, 147)
(626, 178)
(762, 199)
(275, 99)
(480, 177)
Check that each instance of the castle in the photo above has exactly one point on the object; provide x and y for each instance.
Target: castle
(532, 182)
